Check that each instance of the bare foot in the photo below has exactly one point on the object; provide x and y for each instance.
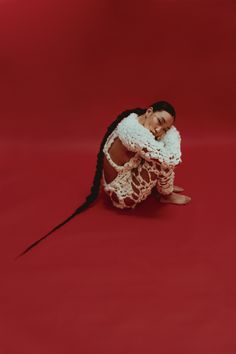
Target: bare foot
(175, 198)
(178, 189)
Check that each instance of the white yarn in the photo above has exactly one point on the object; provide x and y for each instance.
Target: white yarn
(135, 137)
(138, 189)
(156, 154)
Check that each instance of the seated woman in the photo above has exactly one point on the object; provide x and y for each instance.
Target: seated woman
(138, 153)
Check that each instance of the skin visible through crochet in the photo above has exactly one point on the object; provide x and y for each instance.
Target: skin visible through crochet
(128, 179)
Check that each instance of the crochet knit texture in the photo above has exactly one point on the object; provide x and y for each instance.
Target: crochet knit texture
(152, 165)
(137, 138)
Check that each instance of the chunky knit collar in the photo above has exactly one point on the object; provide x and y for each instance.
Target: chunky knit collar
(167, 149)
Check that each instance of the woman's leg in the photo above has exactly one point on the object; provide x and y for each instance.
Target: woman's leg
(131, 187)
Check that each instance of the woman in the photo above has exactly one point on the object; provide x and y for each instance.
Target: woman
(138, 154)
(141, 154)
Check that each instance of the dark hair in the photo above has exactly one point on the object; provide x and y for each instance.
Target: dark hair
(158, 106)
(164, 106)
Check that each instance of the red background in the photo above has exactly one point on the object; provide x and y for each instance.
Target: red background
(161, 278)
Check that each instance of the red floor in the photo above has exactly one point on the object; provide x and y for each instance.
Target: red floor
(158, 279)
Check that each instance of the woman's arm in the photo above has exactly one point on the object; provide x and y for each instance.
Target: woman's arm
(139, 139)
(165, 180)
(166, 188)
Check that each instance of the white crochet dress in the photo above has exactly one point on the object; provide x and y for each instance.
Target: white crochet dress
(153, 159)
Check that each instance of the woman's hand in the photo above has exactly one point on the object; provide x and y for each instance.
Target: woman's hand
(175, 198)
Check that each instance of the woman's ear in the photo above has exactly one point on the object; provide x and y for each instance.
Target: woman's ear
(149, 111)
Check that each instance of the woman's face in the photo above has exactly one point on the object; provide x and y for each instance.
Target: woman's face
(158, 122)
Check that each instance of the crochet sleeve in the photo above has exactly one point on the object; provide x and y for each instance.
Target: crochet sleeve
(165, 181)
(138, 139)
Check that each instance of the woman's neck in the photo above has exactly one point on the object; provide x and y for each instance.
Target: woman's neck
(142, 119)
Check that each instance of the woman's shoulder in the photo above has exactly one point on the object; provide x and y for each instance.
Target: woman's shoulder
(129, 123)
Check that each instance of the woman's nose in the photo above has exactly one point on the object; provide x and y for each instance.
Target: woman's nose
(158, 129)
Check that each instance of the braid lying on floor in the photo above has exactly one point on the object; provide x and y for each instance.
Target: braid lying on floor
(96, 181)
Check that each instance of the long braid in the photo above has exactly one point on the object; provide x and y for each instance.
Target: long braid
(96, 181)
